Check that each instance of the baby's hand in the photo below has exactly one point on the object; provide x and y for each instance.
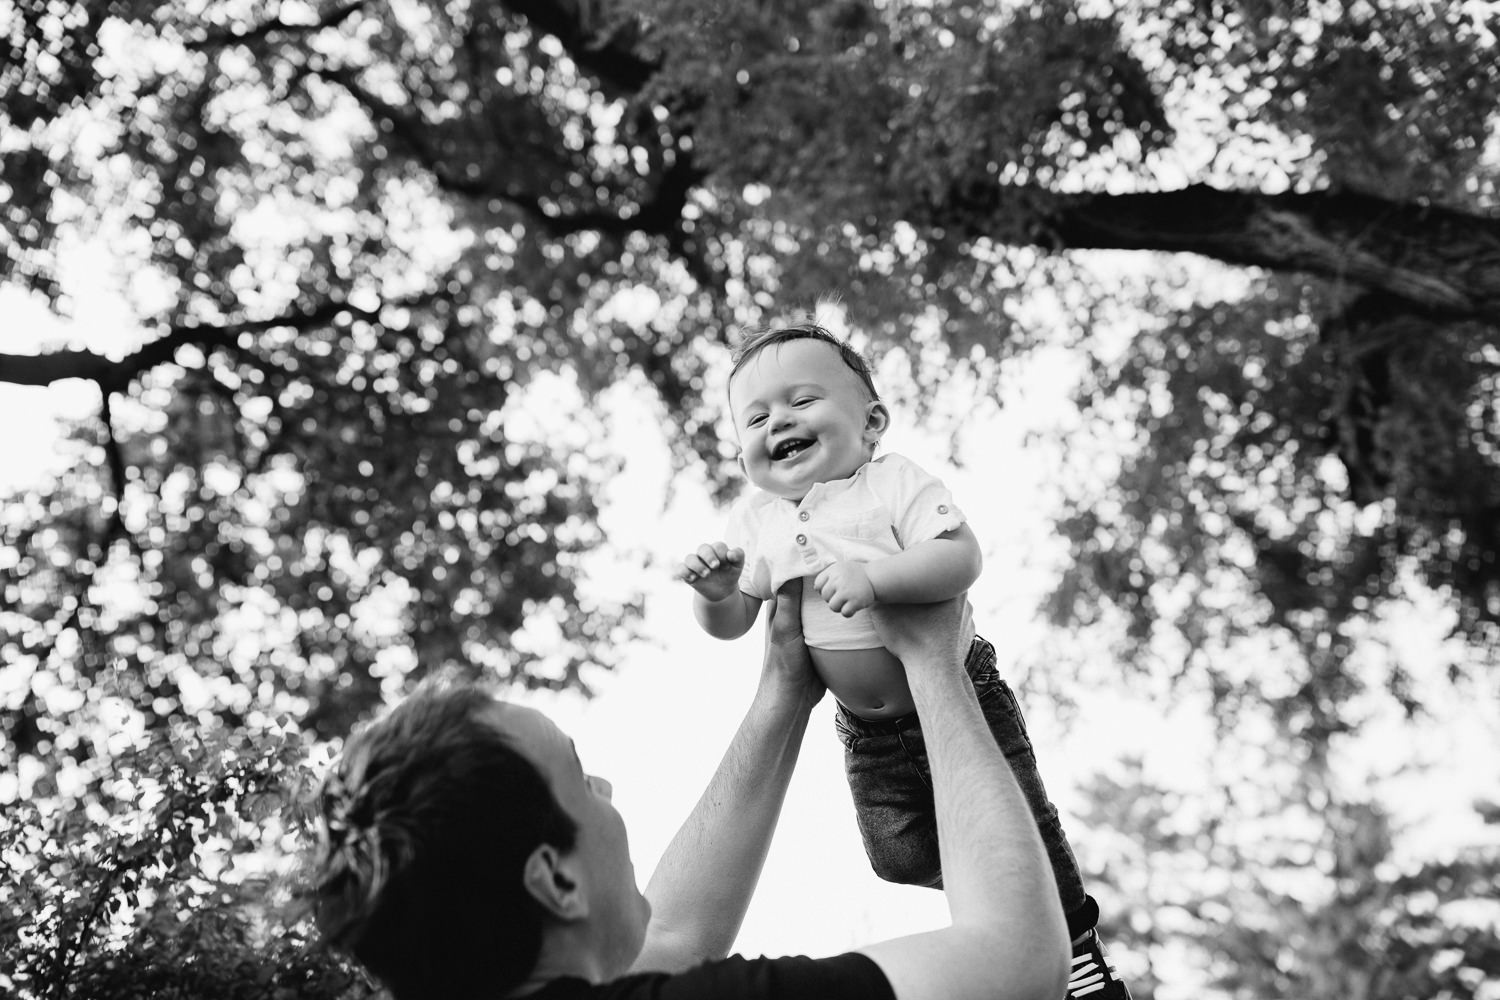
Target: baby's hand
(713, 571)
(846, 587)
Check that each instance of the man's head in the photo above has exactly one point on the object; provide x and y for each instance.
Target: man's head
(465, 844)
(805, 409)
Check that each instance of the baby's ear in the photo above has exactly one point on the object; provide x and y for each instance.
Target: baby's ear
(877, 419)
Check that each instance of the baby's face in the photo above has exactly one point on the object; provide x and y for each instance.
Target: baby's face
(802, 417)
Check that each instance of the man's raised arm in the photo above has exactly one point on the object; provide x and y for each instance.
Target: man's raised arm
(703, 884)
(1007, 938)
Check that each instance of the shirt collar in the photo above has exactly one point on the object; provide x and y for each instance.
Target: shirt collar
(826, 492)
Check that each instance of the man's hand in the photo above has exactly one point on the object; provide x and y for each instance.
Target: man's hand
(846, 587)
(787, 658)
(917, 632)
(713, 571)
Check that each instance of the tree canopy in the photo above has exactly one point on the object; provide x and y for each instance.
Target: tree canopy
(360, 239)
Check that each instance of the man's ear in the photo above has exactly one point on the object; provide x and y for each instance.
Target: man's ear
(551, 880)
(877, 419)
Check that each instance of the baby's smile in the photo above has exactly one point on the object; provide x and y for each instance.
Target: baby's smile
(790, 448)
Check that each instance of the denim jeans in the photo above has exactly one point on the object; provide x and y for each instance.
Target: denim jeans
(886, 762)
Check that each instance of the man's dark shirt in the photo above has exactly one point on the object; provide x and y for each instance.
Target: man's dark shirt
(849, 976)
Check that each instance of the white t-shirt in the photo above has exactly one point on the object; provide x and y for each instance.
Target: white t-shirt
(889, 504)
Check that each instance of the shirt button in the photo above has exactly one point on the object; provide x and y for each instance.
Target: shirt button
(803, 516)
(801, 539)
(942, 508)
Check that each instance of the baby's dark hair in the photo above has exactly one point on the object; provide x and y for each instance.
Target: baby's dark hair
(758, 342)
(429, 817)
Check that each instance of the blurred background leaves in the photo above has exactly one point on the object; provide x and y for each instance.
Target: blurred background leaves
(389, 260)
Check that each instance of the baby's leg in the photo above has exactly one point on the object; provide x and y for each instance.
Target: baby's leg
(886, 763)
(890, 780)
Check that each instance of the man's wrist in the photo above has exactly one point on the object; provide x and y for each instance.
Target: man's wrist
(784, 696)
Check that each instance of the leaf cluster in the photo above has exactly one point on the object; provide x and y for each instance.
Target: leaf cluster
(1264, 902)
(140, 887)
(1292, 479)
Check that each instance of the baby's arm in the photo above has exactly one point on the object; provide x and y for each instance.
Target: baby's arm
(724, 611)
(929, 571)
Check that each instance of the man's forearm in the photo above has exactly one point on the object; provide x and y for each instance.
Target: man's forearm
(995, 870)
(1008, 936)
(703, 884)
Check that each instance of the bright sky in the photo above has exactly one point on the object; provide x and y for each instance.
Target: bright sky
(658, 725)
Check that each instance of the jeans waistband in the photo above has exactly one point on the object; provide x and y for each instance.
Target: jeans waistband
(981, 655)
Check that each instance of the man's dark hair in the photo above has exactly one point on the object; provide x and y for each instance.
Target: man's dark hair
(758, 342)
(430, 815)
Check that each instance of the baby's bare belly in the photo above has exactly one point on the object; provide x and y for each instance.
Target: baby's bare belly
(871, 683)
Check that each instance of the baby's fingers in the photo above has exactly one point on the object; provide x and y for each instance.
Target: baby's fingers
(708, 560)
(711, 556)
(721, 556)
(692, 569)
(849, 607)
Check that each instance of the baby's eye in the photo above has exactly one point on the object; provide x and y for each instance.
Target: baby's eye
(756, 420)
(804, 400)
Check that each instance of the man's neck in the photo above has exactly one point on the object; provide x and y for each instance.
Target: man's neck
(565, 954)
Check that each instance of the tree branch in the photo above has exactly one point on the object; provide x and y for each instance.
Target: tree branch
(598, 46)
(116, 462)
(116, 376)
(416, 135)
(1441, 261)
(264, 30)
(659, 214)
(44, 369)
